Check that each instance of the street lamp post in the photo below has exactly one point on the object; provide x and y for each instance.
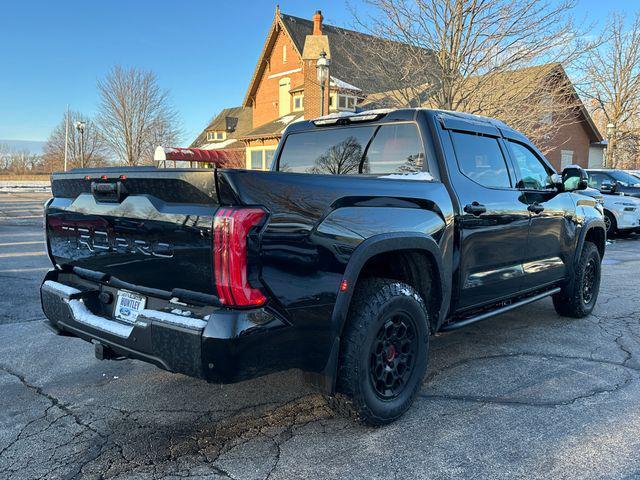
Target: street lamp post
(322, 69)
(611, 146)
(80, 127)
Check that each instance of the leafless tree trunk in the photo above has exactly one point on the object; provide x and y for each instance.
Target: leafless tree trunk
(482, 52)
(135, 115)
(613, 82)
(94, 146)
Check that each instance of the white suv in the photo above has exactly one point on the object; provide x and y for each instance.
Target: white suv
(621, 212)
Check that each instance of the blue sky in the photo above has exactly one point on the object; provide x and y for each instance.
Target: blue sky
(203, 52)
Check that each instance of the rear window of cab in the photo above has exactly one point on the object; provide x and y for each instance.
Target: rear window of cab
(361, 150)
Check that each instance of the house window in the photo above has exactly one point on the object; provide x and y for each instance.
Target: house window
(216, 136)
(284, 97)
(547, 110)
(260, 158)
(346, 102)
(566, 158)
(256, 159)
(298, 102)
(284, 54)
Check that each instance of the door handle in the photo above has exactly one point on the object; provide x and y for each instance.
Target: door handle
(535, 208)
(475, 208)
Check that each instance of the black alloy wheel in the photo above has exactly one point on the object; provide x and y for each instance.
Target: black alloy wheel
(393, 356)
(589, 281)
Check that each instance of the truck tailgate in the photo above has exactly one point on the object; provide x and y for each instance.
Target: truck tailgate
(147, 227)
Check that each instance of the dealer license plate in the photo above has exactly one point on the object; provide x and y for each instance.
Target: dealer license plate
(129, 305)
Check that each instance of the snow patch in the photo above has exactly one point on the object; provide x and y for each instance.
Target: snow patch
(343, 114)
(423, 176)
(341, 84)
(193, 323)
(218, 145)
(83, 315)
(286, 119)
(55, 287)
(18, 186)
(183, 151)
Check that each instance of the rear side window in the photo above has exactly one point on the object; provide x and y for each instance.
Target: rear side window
(336, 151)
(354, 150)
(481, 160)
(395, 149)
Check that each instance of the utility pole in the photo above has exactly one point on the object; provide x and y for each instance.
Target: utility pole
(66, 137)
(80, 127)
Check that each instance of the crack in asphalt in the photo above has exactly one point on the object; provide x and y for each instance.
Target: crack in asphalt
(87, 440)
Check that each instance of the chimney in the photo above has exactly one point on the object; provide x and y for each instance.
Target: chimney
(317, 23)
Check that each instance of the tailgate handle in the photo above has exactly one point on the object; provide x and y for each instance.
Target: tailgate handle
(108, 191)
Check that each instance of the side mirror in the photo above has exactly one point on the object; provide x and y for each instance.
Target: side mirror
(556, 179)
(574, 178)
(607, 186)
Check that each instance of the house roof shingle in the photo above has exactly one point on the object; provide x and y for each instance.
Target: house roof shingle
(244, 117)
(275, 127)
(352, 58)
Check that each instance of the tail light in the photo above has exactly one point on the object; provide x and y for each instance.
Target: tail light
(231, 227)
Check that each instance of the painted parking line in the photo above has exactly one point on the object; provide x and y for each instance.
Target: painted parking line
(20, 270)
(22, 254)
(15, 244)
(21, 217)
(19, 210)
(22, 235)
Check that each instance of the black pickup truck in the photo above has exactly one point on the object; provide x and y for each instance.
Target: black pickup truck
(371, 233)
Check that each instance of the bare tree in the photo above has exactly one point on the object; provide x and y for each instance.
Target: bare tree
(613, 82)
(135, 115)
(479, 50)
(93, 146)
(341, 159)
(5, 157)
(24, 161)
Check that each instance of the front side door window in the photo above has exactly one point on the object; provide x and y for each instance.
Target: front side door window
(493, 220)
(531, 172)
(550, 238)
(481, 160)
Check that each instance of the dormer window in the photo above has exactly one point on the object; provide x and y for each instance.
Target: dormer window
(298, 102)
(216, 135)
(346, 102)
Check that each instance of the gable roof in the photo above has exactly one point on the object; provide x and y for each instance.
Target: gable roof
(244, 118)
(352, 54)
(351, 58)
(494, 90)
(274, 128)
(526, 82)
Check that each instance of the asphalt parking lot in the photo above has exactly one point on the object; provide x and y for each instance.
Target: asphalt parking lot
(525, 395)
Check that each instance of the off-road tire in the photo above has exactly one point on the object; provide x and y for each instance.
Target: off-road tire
(575, 300)
(377, 305)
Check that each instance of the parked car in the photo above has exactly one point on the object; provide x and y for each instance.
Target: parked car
(614, 181)
(621, 213)
(371, 233)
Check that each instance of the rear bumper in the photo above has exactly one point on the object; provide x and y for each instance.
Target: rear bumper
(223, 346)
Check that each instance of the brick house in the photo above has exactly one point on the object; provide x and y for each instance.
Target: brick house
(570, 137)
(284, 86)
(284, 89)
